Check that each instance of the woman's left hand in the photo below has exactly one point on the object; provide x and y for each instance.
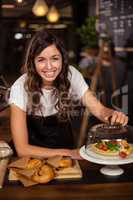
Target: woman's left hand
(118, 118)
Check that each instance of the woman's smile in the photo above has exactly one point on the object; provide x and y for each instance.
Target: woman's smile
(49, 74)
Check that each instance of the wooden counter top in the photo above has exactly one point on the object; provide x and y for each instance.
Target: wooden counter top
(93, 185)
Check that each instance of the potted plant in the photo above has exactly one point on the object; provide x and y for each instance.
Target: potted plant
(89, 39)
(88, 33)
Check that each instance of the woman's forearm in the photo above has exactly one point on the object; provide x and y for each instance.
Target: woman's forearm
(101, 112)
(40, 152)
(105, 114)
(95, 107)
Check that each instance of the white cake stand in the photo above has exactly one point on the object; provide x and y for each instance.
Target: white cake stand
(111, 167)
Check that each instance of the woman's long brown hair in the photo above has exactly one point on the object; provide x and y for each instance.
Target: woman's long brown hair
(33, 84)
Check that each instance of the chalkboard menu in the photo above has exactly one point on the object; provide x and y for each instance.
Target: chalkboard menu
(116, 17)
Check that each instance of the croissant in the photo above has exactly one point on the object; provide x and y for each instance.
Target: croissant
(34, 163)
(65, 162)
(44, 175)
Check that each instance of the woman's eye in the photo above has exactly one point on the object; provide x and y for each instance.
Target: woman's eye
(55, 59)
(40, 60)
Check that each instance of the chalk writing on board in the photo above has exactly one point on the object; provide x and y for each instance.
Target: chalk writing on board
(116, 17)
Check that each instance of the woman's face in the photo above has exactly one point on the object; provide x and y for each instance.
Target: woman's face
(49, 64)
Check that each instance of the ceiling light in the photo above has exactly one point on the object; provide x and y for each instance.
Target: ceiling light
(40, 8)
(18, 36)
(53, 14)
(8, 6)
(22, 24)
(19, 1)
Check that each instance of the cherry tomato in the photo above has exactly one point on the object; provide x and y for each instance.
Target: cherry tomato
(122, 154)
(114, 142)
(100, 146)
(104, 148)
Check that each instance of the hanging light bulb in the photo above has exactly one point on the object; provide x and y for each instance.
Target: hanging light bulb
(22, 24)
(19, 1)
(53, 14)
(40, 8)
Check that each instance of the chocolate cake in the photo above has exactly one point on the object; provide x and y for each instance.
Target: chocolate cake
(111, 131)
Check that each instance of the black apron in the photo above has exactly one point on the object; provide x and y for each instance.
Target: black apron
(49, 132)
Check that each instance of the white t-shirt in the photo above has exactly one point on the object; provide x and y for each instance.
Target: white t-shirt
(18, 95)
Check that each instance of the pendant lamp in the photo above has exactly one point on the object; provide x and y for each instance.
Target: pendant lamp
(40, 8)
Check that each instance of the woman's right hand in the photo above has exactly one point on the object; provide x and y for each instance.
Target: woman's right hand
(74, 154)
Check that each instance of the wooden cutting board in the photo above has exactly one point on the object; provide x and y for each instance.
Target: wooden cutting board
(73, 172)
(70, 172)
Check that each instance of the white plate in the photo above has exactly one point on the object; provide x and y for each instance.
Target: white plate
(90, 155)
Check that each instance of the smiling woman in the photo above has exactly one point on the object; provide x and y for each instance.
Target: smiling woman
(41, 101)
